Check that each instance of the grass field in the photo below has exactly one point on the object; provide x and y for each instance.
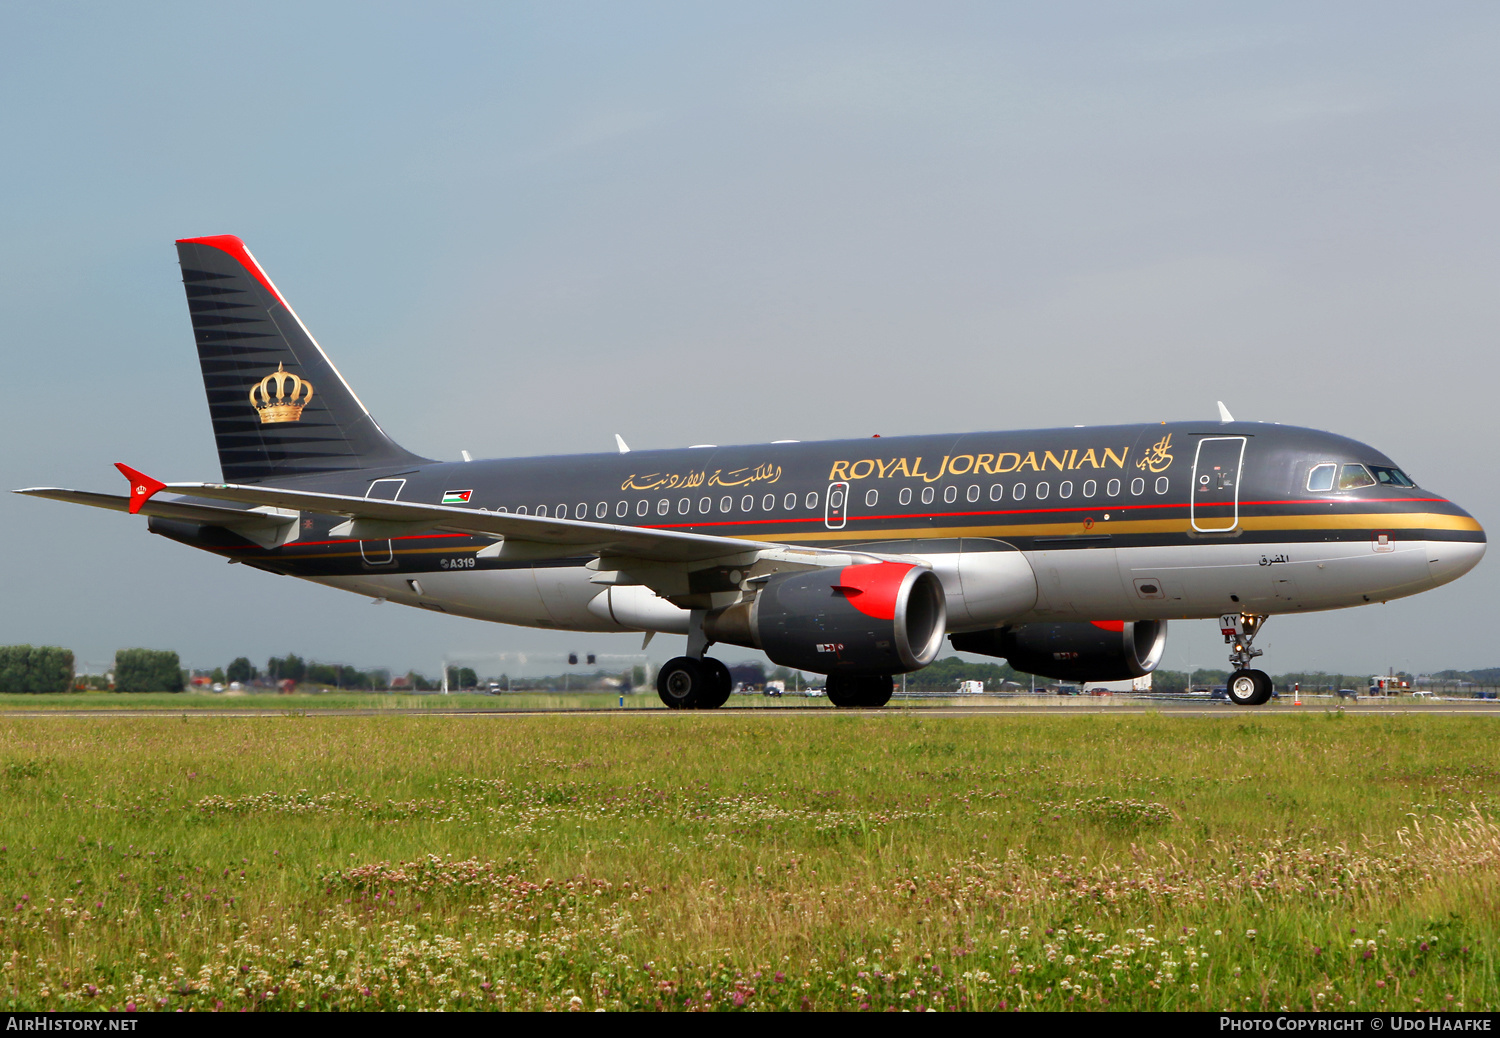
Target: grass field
(749, 860)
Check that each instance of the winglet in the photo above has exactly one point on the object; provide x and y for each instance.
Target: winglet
(620, 443)
(142, 486)
(1224, 415)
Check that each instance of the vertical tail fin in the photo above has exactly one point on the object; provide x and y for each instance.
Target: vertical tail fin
(278, 405)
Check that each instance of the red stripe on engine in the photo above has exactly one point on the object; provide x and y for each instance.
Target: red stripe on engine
(872, 588)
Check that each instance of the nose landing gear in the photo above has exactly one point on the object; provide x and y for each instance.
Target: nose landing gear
(1246, 687)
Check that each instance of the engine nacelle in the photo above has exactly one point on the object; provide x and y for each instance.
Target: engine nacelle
(1105, 650)
(873, 618)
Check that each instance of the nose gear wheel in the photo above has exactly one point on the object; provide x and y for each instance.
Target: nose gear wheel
(1249, 687)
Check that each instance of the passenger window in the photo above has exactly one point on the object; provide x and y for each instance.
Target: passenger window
(769, 502)
(974, 493)
(705, 505)
(905, 495)
(1018, 492)
(541, 509)
(997, 491)
(726, 504)
(747, 504)
(502, 508)
(601, 510)
(1065, 488)
(642, 507)
(789, 502)
(684, 506)
(520, 510)
(1354, 476)
(562, 511)
(927, 495)
(950, 495)
(1042, 490)
(1161, 484)
(872, 498)
(1113, 489)
(663, 506)
(1090, 488)
(1321, 478)
(812, 500)
(1137, 487)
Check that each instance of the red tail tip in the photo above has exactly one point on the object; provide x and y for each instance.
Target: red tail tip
(142, 486)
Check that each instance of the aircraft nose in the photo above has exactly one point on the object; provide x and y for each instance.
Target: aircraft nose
(1449, 560)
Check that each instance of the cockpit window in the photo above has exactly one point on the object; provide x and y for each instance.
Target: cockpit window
(1391, 477)
(1321, 477)
(1355, 476)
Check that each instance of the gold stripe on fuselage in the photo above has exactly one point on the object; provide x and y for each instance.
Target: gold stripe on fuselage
(1361, 522)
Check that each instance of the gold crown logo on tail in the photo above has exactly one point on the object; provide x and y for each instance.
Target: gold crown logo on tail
(284, 406)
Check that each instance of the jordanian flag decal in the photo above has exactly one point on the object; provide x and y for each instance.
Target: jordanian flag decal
(457, 497)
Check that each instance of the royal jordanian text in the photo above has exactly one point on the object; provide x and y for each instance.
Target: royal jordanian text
(992, 464)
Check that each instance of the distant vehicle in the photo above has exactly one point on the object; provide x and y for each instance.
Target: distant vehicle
(1422, 694)
(971, 688)
(1069, 690)
(775, 688)
(1347, 693)
(494, 688)
(1219, 693)
(1100, 692)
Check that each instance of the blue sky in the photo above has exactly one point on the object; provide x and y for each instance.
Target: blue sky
(521, 228)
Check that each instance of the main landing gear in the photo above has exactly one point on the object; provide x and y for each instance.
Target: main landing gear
(1246, 687)
(688, 684)
(867, 690)
(694, 681)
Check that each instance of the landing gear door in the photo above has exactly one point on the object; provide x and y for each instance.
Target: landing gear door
(1216, 483)
(837, 511)
(381, 553)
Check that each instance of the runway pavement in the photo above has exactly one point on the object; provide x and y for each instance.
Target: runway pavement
(980, 706)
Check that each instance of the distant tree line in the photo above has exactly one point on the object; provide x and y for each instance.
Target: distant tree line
(41, 668)
(147, 670)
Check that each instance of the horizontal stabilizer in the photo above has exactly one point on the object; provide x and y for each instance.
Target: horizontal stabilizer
(266, 529)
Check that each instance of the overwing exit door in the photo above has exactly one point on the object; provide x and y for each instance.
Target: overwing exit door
(381, 553)
(837, 510)
(1216, 483)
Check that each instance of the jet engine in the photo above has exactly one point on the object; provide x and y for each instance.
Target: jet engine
(872, 618)
(1105, 650)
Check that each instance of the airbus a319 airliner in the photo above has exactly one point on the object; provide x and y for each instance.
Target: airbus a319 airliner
(1064, 551)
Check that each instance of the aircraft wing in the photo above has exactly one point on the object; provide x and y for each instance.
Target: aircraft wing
(526, 536)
